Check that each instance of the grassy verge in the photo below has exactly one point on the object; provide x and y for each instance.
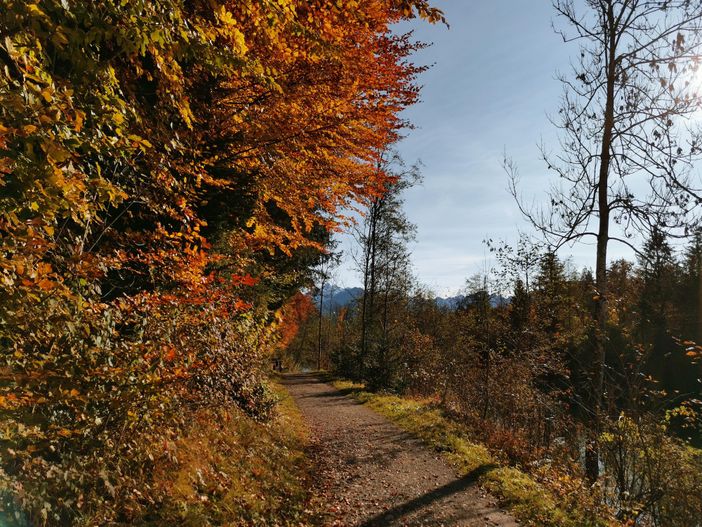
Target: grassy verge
(232, 470)
(529, 500)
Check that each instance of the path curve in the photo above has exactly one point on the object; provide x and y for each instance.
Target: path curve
(374, 474)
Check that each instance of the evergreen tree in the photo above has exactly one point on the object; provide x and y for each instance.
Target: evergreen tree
(658, 273)
(520, 307)
(690, 295)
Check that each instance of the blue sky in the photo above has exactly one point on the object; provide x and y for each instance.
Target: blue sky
(490, 90)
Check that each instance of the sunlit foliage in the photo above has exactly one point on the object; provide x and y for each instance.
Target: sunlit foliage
(168, 171)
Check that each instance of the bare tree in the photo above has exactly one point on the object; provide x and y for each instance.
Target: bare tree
(323, 272)
(627, 147)
(518, 262)
(384, 260)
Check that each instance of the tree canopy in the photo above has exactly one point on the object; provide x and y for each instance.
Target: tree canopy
(169, 171)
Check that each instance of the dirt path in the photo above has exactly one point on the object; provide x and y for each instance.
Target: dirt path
(375, 474)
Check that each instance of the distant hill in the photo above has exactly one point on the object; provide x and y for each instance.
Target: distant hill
(340, 297)
(343, 297)
(453, 302)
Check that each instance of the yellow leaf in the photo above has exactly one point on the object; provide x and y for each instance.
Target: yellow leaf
(56, 151)
(226, 17)
(140, 140)
(34, 9)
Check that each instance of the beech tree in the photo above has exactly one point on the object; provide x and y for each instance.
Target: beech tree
(168, 172)
(624, 166)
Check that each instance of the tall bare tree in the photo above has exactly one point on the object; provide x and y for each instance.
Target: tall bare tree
(384, 261)
(323, 273)
(628, 143)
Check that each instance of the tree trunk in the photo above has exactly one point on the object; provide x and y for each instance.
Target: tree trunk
(364, 300)
(370, 291)
(592, 467)
(699, 293)
(321, 316)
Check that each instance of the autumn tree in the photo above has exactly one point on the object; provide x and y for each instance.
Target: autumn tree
(169, 172)
(625, 156)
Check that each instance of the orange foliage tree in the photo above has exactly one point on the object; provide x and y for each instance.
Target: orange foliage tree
(295, 313)
(168, 172)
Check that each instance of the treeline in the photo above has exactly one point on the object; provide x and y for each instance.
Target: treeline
(169, 172)
(513, 361)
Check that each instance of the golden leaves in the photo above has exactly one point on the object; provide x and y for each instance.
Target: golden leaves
(78, 120)
(36, 11)
(230, 31)
(140, 142)
(118, 304)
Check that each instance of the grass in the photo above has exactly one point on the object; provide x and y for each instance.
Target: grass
(528, 500)
(232, 470)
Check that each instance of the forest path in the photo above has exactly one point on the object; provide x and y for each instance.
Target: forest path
(374, 474)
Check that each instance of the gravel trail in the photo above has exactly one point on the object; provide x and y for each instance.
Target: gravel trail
(374, 474)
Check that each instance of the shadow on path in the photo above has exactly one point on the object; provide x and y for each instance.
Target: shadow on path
(420, 502)
(292, 379)
(301, 378)
(375, 474)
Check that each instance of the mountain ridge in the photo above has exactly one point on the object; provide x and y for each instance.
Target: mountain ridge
(345, 296)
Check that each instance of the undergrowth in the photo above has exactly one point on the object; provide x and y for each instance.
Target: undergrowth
(232, 470)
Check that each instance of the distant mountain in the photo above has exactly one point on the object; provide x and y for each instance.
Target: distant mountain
(451, 302)
(336, 297)
(454, 302)
(345, 296)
